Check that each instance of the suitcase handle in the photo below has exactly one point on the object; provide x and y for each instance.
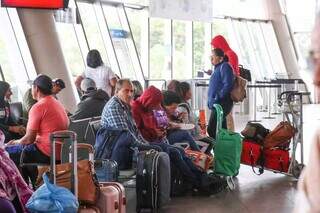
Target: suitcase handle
(63, 135)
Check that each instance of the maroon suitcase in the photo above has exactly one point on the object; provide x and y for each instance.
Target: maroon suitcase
(112, 198)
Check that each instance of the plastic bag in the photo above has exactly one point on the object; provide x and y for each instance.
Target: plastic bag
(52, 198)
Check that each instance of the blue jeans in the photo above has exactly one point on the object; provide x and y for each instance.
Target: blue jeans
(122, 151)
(182, 162)
(179, 135)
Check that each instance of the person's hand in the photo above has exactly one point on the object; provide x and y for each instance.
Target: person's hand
(21, 130)
(173, 125)
(182, 115)
(209, 72)
(12, 142)
(160, 132)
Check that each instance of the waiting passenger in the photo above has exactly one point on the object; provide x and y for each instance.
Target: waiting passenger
(170, 102)
(117, 115)
(230, 56)
(220, 86)
(14, 192)
(184, 91)
(102, 75)
(57, 85)
(173, 86)
(137, 89)
(28, 100)
(10, 129)
(46, 116)
(92, 101)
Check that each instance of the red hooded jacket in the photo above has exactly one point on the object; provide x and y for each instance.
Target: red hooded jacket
(220, 42)
(142, 112)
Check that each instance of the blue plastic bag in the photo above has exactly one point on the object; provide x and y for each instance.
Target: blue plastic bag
(53, 199)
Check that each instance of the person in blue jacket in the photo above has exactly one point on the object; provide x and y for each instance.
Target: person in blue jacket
(220, 87)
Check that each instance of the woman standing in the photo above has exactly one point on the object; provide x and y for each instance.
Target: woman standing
(102, 75)
(220, 86)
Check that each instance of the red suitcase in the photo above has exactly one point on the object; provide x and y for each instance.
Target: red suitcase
(277, 159)
(112, 198)
(251, 152)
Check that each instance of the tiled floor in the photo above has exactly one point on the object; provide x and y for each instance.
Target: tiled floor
(269, 193)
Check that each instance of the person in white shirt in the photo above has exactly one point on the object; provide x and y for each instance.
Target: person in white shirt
(102, 75)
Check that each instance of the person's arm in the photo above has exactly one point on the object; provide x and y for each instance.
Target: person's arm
(144, 127)
(227, 79)
(78, 81)
(212, 93)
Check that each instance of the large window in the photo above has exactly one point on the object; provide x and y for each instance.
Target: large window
(15, 59)
(160, 49)
(201, 47)
(182, 50)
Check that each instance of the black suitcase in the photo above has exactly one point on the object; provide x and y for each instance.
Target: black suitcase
(153, 180)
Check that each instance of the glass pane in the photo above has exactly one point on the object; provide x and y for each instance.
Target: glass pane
(261, 52)
(273, 47)
(201, 47)
(160, 49)
(138, 20)
(220, 27)
(73, 45)
(92, 29)
(182, 50)
(122, 42)
(11, 61)
(71, 51)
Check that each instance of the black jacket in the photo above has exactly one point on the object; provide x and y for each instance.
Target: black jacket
(91, 105)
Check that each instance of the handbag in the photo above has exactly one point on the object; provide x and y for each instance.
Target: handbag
(238, 92)
(88, 190)
(227, 151)
(279, 135)
(199, 159)
(52, 198)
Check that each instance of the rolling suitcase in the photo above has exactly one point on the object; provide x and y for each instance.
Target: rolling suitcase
(153, 180)
(69, 135)
(112, 198)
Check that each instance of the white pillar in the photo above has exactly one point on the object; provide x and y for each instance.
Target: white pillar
(282, 32)
(43, 41)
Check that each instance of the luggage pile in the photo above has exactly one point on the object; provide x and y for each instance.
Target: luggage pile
(267, 149)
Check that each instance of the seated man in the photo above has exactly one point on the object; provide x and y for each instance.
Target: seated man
(92, 101)
(143, 113)
(46, 116)
(57, 85)
(117, 115)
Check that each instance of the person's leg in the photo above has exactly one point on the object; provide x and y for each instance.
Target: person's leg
(122, 153)
(6, 206)
(178, 136)
(212, 124)
(230, 121)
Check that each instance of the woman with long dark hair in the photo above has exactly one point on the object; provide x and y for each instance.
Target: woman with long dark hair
(8, 127)
(102, 75)
(220, 87)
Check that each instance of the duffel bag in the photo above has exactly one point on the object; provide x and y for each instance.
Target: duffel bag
(279, 135)
(277, 159)
(255, 132)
